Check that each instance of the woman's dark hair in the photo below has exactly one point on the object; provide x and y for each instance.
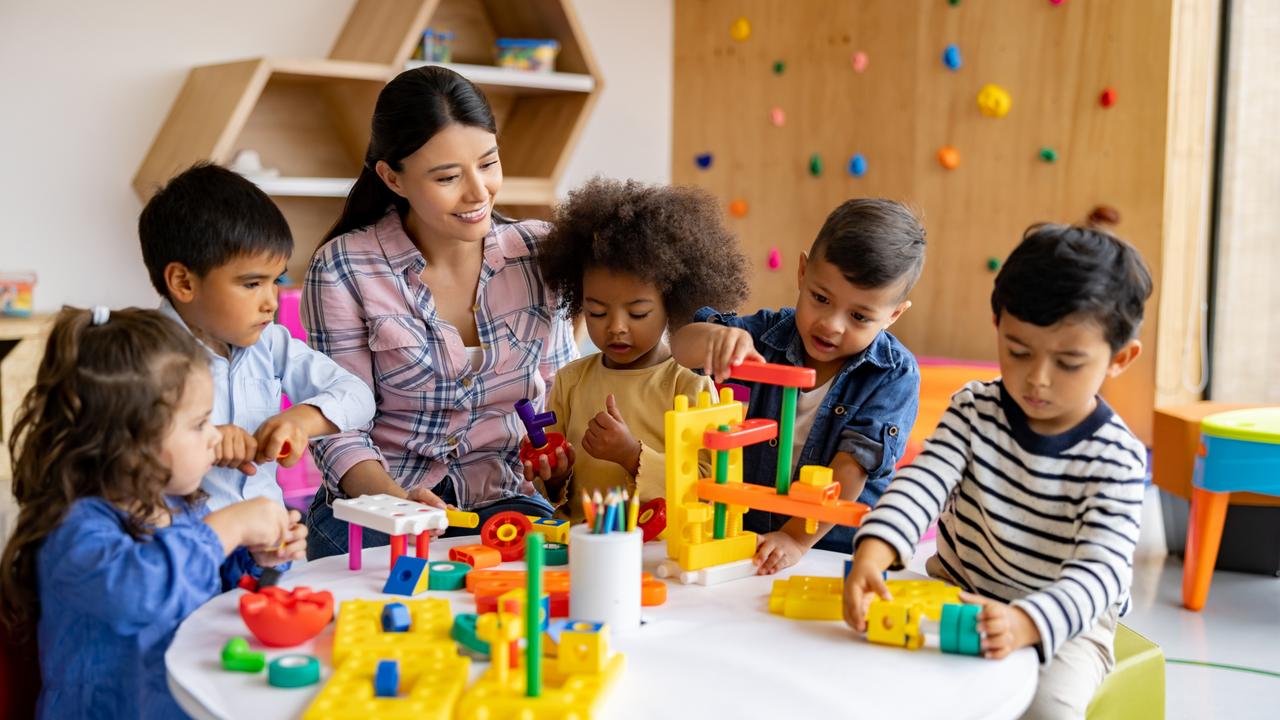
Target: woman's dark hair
(410, 110)
(92, 426)
(671, 236)
(1062, 271)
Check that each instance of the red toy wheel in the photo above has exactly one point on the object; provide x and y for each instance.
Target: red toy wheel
(653, 518)
(505, 533)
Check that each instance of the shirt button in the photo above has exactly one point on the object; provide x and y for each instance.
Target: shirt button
(893, 431)
(839, 409)
(466, 382)
(485, 346)
(475, 308)
(773, 442)
(453, 442)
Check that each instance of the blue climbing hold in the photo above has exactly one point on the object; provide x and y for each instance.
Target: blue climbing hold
(857, 165)
(703, 160)
(951, 57)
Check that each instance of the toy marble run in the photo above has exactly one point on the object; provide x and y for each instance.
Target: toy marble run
(705, 539)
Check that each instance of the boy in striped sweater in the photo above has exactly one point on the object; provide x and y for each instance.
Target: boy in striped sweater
(1035, 481)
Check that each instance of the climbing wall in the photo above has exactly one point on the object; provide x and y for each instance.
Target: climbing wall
(784, 110)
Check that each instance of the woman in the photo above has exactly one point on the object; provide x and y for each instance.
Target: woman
(435, 300)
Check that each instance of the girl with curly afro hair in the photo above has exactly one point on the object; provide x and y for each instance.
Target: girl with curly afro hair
(634, 258)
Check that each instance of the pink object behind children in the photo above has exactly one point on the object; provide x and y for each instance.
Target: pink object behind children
(300, 482)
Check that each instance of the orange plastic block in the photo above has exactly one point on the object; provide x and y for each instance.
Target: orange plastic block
(477, 556)
(759, 497)
(775, 374)
(750, 432)
(492, 583)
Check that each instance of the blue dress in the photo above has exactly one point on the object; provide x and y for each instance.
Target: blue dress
(109, 607)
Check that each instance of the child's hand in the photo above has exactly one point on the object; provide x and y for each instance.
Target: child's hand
(237, 449)
(728, 347)
(866, 580)
(294, 546)
(256, 523)
(277, 434)
(777, 551)
(608, 438)
(1004, 628)
(565, 457)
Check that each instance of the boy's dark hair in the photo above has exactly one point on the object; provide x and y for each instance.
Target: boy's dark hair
(205, 217)
(1061, 271)
(875, 243)
(669, 235)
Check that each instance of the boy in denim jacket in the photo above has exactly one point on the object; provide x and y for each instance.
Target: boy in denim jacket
(853, 285)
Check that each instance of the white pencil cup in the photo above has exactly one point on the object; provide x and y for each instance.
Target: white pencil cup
(604, 577)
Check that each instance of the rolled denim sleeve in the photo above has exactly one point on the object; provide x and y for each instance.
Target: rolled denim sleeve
(755, 324)
(875, 434)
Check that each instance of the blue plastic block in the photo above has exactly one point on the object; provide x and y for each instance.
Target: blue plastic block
(395, 617)
(408, 577)
(386, 680)
(858, 165)
(951, 57)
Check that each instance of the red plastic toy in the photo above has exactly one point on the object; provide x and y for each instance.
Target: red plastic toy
(505, 533)
(774, 374)
(537, 442)
(653, 518)
(284, 618)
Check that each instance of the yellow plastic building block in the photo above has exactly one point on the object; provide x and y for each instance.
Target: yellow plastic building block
(717, 552)
(554, 530)
(803, 597)
(500, 694)
(359, 628)
(583, 648)
(897, 621)
(430, 683)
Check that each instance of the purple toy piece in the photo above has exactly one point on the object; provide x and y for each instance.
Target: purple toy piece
(534, 422)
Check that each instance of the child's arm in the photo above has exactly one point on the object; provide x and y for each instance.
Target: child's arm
(714, 349)
(784, 548)
(889, 533)
(554, 482)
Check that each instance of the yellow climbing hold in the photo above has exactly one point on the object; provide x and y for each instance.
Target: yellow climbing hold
(994, 101)
(741, 29)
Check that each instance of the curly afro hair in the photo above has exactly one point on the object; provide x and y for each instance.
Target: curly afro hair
(671, 236)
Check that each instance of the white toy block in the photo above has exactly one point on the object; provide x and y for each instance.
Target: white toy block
(390, 514)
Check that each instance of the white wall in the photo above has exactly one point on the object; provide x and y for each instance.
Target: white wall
(84, 86)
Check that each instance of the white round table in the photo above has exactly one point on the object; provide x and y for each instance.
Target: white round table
(707, 651)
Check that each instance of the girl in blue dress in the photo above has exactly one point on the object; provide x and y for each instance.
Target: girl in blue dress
(113, 545)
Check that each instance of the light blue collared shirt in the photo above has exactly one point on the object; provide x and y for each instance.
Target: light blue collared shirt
(246, 392)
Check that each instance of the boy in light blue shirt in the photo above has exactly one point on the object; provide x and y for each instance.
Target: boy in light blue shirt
(215, 247)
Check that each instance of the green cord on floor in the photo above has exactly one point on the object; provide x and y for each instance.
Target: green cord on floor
(1222, 666)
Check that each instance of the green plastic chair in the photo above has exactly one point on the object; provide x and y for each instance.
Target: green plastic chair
(1134, 690)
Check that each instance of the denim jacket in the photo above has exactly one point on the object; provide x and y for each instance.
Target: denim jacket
(868, 412)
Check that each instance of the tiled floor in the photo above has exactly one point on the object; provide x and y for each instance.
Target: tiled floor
(1240, 625)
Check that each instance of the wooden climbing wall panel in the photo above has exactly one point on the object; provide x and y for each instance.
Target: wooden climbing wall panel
(901, 108)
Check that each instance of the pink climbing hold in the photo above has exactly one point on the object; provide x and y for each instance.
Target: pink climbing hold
(778, 117)
(775, 259)
(860, 61)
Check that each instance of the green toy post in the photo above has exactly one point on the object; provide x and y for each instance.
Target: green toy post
(786, 431)
(533, 550)
(722, 477)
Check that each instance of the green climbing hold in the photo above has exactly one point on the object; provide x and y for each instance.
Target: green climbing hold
(779, 67)
(993, 263)
(815, 165)
(954, 2)
(1048, 154)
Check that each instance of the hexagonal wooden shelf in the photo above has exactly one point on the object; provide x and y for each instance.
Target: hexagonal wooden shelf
(309, 119)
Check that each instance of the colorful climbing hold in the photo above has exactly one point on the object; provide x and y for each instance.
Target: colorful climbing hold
(738, 208)
(993, 264)
(779, 67)
(703, 160)
(815, 165)
(953, 3)
(857, 165)
(1104, 215)
(949, 157)
(775, 259)
(994, 101)
(1048, 154)
(951, 57)
(1108, 97)
(777, 117)
(1056, 2)
(860, 61)
(740, 30)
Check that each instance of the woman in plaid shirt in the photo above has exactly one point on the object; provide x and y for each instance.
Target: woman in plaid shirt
(436, 301)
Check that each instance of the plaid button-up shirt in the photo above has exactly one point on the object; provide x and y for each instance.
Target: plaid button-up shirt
(365, 305)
